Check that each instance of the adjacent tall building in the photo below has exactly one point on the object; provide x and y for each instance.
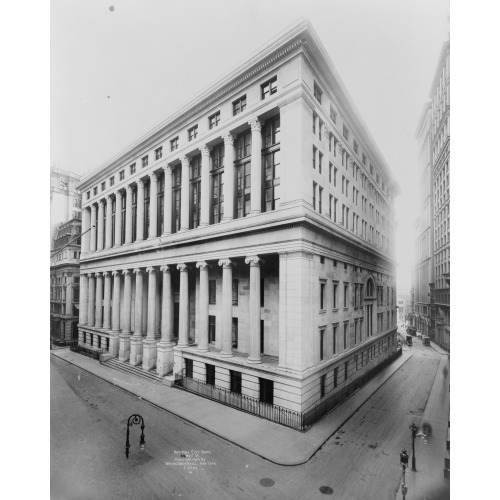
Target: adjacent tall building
(431, 282)
(245, 245)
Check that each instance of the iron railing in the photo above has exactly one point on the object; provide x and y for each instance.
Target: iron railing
(86, 351)
(284, 416)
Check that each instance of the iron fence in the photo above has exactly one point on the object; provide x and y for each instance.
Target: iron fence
(86, 351)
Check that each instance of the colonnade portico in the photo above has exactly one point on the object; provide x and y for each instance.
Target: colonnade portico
(98, 233)
(129, 318)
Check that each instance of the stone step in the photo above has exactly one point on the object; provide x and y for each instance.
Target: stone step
(126, 367)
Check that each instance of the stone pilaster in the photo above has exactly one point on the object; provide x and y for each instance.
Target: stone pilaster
(256, 177)
(85, 230)
(183, 306)
(203, 304)
(100, 232)
(185, 193)
(167, 202)
(114, 341)
(118, 219)
(228, 176)
(124, 353)
(98, 300)
(205, 186)
(84, 299)
(136, 339)
(149, 344)
(227, 308)
(254, 313)
(106, 323)
(91, 302)
(140, 211)
(109, 217)
(93, 230)
(128, 215)
(164, 348)
(153, 206)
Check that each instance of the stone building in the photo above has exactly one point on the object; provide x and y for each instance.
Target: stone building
(245, 245)
(431, 282)
(65, 282)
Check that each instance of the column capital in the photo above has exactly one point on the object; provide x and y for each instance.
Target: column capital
(205, 150)
(202, 265)
(140, 184)
(182, 267)
(101, 202)
(109, 198)
(228, 138)
(340, 148)
(116, 272)
(167, 169)
(185, 160)
(225, 263)
(150, 270)
(349, 162)
(153, 177)
(327, 131)
(98, 275)
(126, 272)
(118, 195)
(254, 260)
(106, 274)
(165, 269)
(138, 270)
(129, 189)
(255, 124)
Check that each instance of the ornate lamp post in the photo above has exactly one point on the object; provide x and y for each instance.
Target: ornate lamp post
(413, 429)
(132, 420)
(403, 458)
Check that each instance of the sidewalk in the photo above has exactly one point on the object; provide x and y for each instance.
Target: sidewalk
(266, 439)
(428, 480)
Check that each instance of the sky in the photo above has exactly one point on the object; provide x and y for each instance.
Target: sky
(119, 67)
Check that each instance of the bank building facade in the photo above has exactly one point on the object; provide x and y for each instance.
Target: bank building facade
(243, 248)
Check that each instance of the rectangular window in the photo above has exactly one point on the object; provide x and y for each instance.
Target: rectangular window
(333, 114)
(320, 128)
(145, 161)
(217, 184)
(235, 292)
(320, 160)
(330, 169)
(334, 338)
(195, 191)
(122, 175)
(243, 187)
(193, 133)
(269, 88)
(176, 198)
(335, 176)
(210, 374)
(330, 206)
(88, 194)
(345, 335)
(103, 186)
(317, 92)
(95, 191)
(335, 376)
(314, 157)
(356, 292)
(346, 295)
(320, 200)
(211, 329)
(235, 333)
(189, 367)
(321, 344)
(322, 296)
(335, 294)
(266, 391)
(112, 181)
(314, 195)
(211, 291)
(239, 105)
(345, 132)
(355, 146)
(160, 201)
(346, 365)
(158, 153)
(214, 120)
(235, 381)
(363, 158)
(174, 143)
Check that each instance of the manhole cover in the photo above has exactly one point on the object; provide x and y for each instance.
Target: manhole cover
(326, 490)
(267, 481)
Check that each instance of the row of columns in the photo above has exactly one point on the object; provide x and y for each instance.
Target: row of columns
(98, 239)
(152, 353)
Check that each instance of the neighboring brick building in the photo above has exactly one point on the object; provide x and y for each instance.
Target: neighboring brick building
(245, 246)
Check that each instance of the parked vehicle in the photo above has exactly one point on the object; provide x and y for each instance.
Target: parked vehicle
(426, 340)
(409, 340)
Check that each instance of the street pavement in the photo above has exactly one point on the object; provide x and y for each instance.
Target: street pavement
(354, 451)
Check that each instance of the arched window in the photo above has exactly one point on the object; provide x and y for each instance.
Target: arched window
(370, 288)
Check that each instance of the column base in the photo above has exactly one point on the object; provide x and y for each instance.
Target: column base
(203, 349)
(136, 350)
(164, 358)
(179, 344)
(254, 361)
(149, 354)
(114, 343)
(226, 355)
(124, 349)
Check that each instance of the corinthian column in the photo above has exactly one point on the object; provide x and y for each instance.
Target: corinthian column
(106, 324)
(100, 226)
(124, 354)
(91, 302)
(128, 215)
(185, 193)
(140, 211)
(205, 186)
(84, 298)
(203, 331)
(228, 176)
(167, 205)
(136, 339)
(98, 301)
(113, 337)
(93, 220)
(118, 219)
(254, 313)
(256, 177)
(227, 308)
(183, 307)
(109, 217)
(165, 354)
(149, 344)
(153, 206)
